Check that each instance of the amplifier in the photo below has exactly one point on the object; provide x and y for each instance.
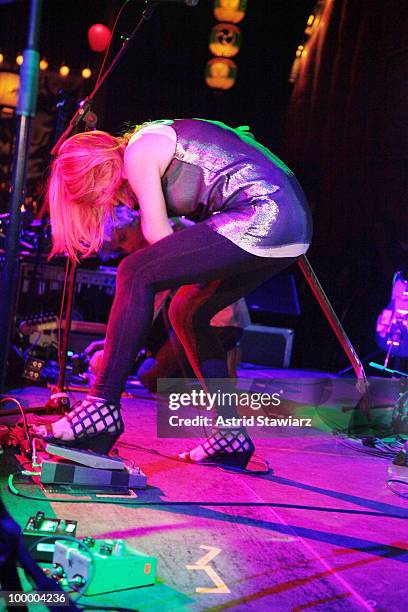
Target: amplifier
(40, 290)
(104, 277)
(277, 295)
(269, 346)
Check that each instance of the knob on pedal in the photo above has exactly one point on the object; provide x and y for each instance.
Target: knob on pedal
(90, 542)
(38, 520)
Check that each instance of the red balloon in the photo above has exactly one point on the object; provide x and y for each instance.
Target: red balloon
(99, 36)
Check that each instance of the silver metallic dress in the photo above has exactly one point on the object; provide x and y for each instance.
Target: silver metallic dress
(224, 178)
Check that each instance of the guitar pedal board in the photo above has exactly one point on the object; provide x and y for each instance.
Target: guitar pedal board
(112, 565)
(39, 527)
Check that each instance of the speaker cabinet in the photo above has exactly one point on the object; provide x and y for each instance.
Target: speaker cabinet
(269, 346)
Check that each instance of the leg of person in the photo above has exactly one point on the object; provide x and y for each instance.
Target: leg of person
(191, 311)
(193, 307)
(194, 255)
(230, 337)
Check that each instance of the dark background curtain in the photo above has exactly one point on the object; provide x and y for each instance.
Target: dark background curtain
(346, 138)
(343, 132)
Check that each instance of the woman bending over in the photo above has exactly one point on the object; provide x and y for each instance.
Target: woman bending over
(253, 221)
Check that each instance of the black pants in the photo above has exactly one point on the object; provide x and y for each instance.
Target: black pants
(217, 273)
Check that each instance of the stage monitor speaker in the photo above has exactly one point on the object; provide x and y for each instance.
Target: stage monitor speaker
(269, 346)
(277, 296)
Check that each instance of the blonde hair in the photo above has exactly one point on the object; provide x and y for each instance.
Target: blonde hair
(86, 182)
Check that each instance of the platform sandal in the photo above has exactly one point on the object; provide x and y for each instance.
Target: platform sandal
(95, 424)
(226, 447)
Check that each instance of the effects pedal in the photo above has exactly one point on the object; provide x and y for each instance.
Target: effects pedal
(87, 469)
(113, 566)
(38, 527)
(84, 457)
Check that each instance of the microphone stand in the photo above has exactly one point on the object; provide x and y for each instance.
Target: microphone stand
(86, 103)
(26, 110)
(58, 401)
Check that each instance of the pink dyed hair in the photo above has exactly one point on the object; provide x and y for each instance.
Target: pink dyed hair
(86, 182)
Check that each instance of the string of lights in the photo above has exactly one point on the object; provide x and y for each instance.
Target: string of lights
(99, 36)
(225, 42)
(7, 63)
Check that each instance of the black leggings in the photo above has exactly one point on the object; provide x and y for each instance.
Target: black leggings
(217, 273)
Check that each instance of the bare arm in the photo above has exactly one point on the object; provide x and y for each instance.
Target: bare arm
(145, 161)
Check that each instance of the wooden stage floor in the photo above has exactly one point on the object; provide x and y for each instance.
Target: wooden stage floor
(334, 537)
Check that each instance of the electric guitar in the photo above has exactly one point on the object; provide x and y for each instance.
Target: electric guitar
(44, 323)
(392, 324)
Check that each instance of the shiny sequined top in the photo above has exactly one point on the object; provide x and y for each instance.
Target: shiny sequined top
(238, 187)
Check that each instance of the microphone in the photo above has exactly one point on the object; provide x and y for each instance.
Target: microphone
(186, 2)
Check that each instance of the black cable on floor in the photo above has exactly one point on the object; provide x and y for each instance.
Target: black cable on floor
(232, 470)
(392, 481)
(12, 489)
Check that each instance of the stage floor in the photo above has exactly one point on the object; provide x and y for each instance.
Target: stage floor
(334, 538)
